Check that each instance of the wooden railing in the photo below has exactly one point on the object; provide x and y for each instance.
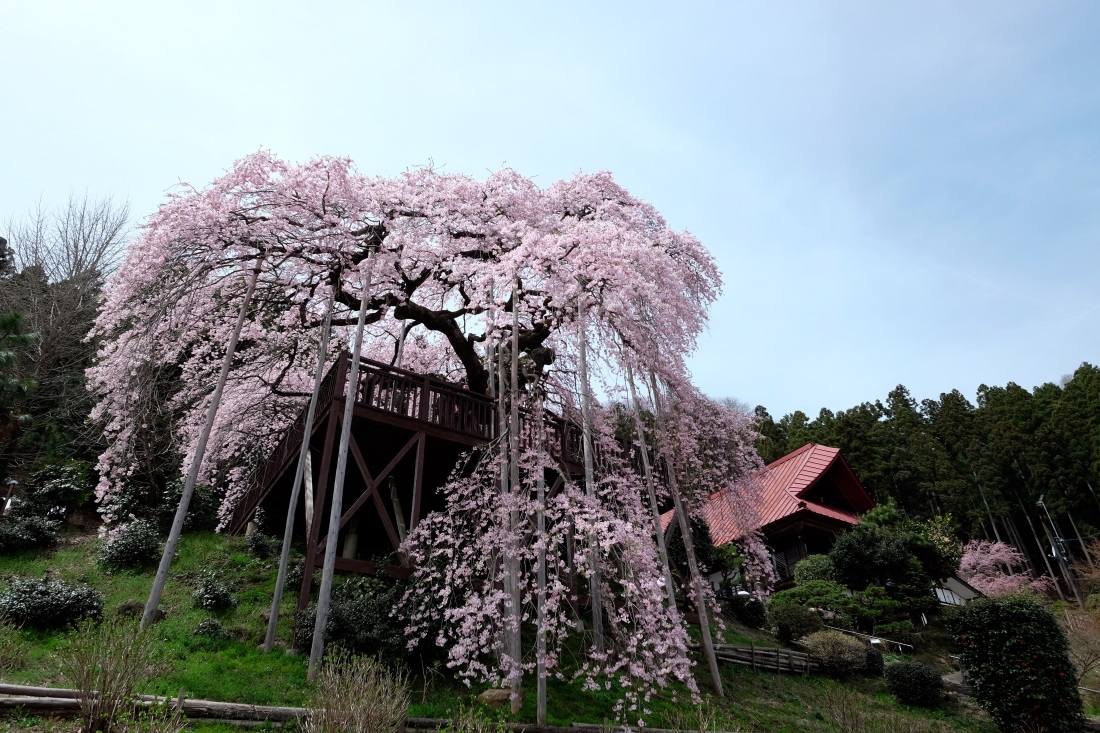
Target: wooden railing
(405, 394)
(288, 446)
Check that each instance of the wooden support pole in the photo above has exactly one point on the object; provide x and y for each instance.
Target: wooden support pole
(516, 650)
(697, 579)
(325, 592)
(304, 464)
(307, 495)
(312, 543)
(418, 481)
(595, 581)
(540, 599)
(196, 460)
(639, 428)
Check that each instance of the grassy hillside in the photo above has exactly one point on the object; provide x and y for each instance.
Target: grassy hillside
(235, 670)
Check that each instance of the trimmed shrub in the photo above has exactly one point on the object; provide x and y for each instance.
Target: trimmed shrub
(263, 546)
(19, 533)
(211, 628)
(360, 619)
(813, 567)
(874, 665)
(792, 622)
(816, 593)
(134, 545)
(49, 604)
(902, 631)
(212, 594)
(749, 610)
(1014, 655)
(839, 654)
(915, 683)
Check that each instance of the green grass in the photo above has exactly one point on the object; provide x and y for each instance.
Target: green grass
(235, 670)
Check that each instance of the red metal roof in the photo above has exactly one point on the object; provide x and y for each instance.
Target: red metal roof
(781, 490)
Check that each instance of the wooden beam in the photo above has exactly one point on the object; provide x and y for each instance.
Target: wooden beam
(418, 479)
(321, 493)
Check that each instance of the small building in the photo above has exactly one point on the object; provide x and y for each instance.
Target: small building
(803, 501)
(954, 591)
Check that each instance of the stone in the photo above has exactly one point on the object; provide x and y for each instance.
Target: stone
(494, 698)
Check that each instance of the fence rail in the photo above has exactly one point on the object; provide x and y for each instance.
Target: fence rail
(768, 659)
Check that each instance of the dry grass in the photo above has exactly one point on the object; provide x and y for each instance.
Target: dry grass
(357, 694)
(106, 664)
(847, 711)
(14, 652)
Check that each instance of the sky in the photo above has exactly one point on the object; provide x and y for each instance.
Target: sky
(896, 193)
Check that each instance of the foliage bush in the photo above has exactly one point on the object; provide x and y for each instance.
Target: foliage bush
(58, 488)
(749, 610)
(212, 594)
(915, 683)
(264, 546)
(874, 664)
(791, 621)
(710, 558)
(825, 594)
(357, 693)
(202, 510)
(902, 631)
(839, 653)
(212, 628)
(813, 567)
(360, 619)
(49, 604)
(135, 545)
(1014, 655)
(18, 533)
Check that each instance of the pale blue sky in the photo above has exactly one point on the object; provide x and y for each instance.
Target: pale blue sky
(896, 193)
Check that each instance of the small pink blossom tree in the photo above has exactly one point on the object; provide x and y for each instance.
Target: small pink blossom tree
(989, 566)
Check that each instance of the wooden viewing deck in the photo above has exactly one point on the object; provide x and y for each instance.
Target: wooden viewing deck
(408, 432)
(399, 398)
